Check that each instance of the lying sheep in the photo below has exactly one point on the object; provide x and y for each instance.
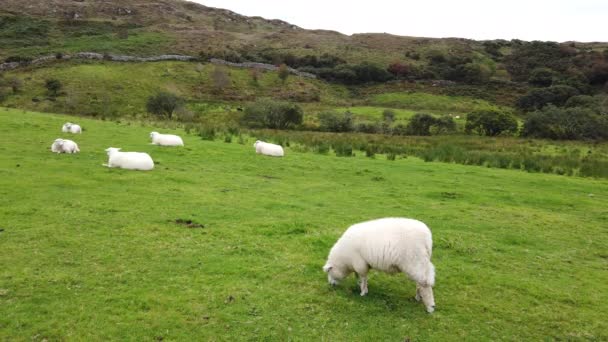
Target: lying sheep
(129, 160)
(64, 146)
(69, 127)
(166, 139)
(268, 149)
(390, 245)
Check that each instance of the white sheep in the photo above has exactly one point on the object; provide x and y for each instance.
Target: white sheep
(390, 245)
(129, 160)
(166, 139)
(64, 146)
(268, 149)
(69, 127)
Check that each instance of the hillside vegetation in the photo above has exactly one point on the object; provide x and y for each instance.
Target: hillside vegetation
(104, 254)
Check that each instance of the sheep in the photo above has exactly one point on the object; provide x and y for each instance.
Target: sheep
(268, 149)
(64, 146)
(129, 160)
(390, 245)
(166, 139)
(69, 127)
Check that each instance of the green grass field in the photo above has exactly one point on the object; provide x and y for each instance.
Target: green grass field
(433, 103)
(91, 253)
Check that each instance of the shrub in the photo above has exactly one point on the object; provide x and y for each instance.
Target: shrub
(388, 115)
(367, 127)
(220, 78)
(420, 124)
(566, 123)
(163, 104)
(207, 133)
(336, 122)
(490, 123)
(542, 77)
(538, 98)
(267, 113)
(444, 124)
(283, 72)
(343, 150)
(53, 86)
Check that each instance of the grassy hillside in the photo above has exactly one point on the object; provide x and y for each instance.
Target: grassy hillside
(113, 89)
(122, 89)
(96, 254)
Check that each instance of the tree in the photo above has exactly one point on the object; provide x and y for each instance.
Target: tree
(267, 113)
(15, 84)
(566, 123)
(542, 77)
(336, 122)
(538, 98)
(163, 104)
(53, 86)
(420, 124)
(220, 78)
(490, 123)
(283, 72)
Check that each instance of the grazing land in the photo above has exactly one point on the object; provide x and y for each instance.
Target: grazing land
(219, 243)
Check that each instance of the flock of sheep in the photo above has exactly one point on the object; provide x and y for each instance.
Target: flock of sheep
(390, 244)
(141, 160)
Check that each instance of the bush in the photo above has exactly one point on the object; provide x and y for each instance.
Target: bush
(343, 150)
(207, 133)
(267, 113)
(420, 124)
(444, 124)
(336, 122)
(566, 123)
(388, 115)
(490, 123)
(53, 86)
(542, 77)
(538, 98)
(367, 127)
(163, 104)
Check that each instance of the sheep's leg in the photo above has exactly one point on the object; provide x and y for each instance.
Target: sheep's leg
(418, 297)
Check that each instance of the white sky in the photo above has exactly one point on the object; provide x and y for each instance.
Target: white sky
(557, 20)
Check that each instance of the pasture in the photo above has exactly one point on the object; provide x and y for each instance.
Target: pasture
(91, 253)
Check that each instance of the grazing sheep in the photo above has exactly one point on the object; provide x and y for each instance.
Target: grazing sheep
(69, 127)
(129, 160)
(390, 245)
(166, 139)
(268, 149)
(64, 146)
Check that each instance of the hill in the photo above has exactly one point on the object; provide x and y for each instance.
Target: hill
(104, 254)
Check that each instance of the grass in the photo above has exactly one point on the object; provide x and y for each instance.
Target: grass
(90, 253)
(87, 87)
(30, 36)
(434, 103)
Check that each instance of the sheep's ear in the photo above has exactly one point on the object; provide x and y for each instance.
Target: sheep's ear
(327, 268)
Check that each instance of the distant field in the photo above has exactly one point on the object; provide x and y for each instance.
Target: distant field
(90, 253)
(429, 102)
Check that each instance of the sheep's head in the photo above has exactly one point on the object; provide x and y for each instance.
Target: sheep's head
(152, 134)
(256, 143)
(111, 150)
(58, 141)
(334, 274)
(428, 299)
(68, 125)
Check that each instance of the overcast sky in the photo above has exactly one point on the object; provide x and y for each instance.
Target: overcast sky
(557, 20)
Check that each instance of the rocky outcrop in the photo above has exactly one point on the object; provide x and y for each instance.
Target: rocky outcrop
(96, 56)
